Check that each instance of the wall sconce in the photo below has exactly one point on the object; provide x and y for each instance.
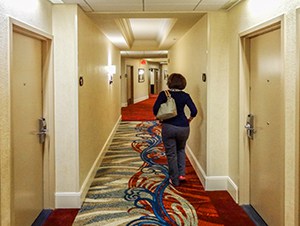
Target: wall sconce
(111, 70)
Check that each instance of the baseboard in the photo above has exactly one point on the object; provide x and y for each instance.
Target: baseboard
(196, 165)
(233, 189)
(220, 183)
(213, 183)
(67, 200)
(135, 101)
(216, 183)
(75, 199)
(141, 99)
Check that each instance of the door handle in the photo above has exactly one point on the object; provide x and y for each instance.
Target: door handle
(42, 130)
(249, 126)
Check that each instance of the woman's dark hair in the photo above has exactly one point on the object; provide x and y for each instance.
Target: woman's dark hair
(176, 81)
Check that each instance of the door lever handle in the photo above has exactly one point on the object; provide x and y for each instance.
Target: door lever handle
(249, 126)
(42, 130)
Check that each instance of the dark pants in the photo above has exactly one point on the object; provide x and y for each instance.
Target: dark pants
(174, 139)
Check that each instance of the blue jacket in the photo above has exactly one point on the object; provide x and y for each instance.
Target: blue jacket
(182, 99)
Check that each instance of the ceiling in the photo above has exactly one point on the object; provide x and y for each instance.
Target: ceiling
(147, 28)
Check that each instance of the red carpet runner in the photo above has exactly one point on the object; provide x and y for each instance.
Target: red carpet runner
(141, 111)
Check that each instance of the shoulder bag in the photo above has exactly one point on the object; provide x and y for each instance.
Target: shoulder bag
(168, 109)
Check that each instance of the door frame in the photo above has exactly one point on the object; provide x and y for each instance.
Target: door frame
(48, 106)
(298, 114)
(244, 102)
(157, 80)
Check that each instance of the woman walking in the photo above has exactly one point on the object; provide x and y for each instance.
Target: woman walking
(175, 131)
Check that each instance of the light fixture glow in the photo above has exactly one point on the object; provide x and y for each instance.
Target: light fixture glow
(111, 70)
(141, 71)
(56, 1)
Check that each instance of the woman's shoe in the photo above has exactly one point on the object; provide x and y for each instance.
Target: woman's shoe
(171, 182)
(182, 178)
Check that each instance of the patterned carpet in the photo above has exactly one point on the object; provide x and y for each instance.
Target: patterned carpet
(131, 186)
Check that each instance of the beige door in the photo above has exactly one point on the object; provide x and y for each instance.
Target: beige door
(266, 147)
(129, 73)
(26, 106)
(156, 81)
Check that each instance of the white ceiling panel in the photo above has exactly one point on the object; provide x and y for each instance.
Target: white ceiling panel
(150, 31)
(212, 5)
(169, 2)
(151, 5)
(115, 5)
(141, 54)
(82, 4)
(170, 5)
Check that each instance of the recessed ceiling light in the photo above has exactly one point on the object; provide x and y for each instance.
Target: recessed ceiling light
(56, 1)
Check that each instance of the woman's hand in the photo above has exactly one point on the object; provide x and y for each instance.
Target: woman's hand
(190, 119)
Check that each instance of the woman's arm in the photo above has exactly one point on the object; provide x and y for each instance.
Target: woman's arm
(192, 107)
(160, 99)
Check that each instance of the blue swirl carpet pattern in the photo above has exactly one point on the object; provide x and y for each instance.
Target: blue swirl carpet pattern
(132, 188)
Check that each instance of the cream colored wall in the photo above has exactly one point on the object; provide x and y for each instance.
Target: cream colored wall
(85, 115)
(189, 57)
(298, 118)
(242, 18)
(37, 15)
(225, 125)
(164, 80)
(66, 102)
(217, 95)
(140, 89)
(184, 59)
(99, 101)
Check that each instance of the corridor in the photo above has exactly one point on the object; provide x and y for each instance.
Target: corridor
(72, 72)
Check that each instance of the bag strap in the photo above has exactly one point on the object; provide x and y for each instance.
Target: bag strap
(167, 93)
